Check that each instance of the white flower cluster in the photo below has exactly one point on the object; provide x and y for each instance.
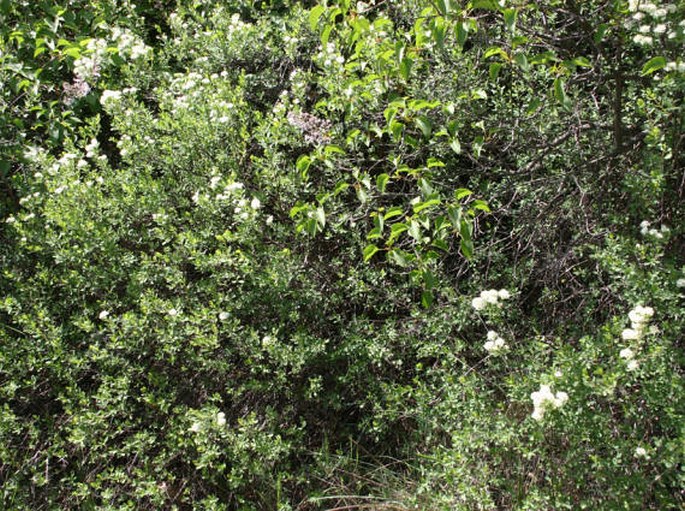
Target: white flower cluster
(221, 113)
(680, 282)
(658, 234)
(219, 420)
(628, 355)
(650, 21)
(242, 206)
(110, 97)
(87, 67)
(129, 45)
(236, 25)
(544, 400)
(641, 452)
(495, 345)
(639, 319)
(185, 90)
(678, 67)
(490, 297)
(328, 56)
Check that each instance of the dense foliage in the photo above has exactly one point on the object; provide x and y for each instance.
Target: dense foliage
(386, 255)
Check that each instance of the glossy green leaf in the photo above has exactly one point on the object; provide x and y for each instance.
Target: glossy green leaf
(510, 19)
(382, 182)
(560, 93)
(653, 65)
(320, 216)
(425, 125)
(314, 16)
(427, 298)
(392, 212)
(425, 205)
(369, 252)
(490, 5)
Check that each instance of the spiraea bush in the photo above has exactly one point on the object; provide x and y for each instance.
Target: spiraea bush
(335, 255)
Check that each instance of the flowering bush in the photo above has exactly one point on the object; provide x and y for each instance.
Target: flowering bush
(250, 252)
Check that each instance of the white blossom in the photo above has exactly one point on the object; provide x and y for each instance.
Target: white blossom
(641, 452)
(103, 314)
(478, 303)
(234, 186)
(223, 316)
(490, 296)
(110, 96)
(221, 419)
(630, 334)
(172, 312)
(642, 39)
(627, 354)
(544, 400)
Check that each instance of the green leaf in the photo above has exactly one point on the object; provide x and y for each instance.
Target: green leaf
(441, 244)
(582, 62)
(382, 182)
(462, 33)
(455, 145)
(74, 52)
(405, 67)
(533, 105)
(427, 298)
(445, 6)
(653, 65)
(396, 229)
(602, 29)
(466, 248)
(369, 251)
(5, 167)
(494, 70)
(425, 205)
(374, 233)
(438, 32)
(302, 165)
(495, 50)
(424, 125)
(490, 5)
(482, 205)
(460, 193)
(362, 195)
(395, 211)
(510, 19)
(398, 257)
(333, 149)
(320, 216)
(326, 34)
(434, 162)
(560, 93)
(522, 61)
(340, 187)
(414, 230)
(314, 16)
